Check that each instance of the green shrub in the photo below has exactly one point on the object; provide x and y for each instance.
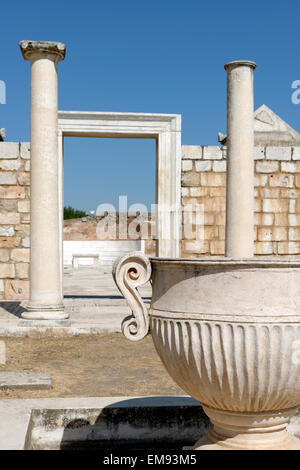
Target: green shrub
(71, 213)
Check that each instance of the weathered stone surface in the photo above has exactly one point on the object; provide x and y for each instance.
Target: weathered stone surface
(25, 218)
(190, 178)
(22, 270)
(33, 49)
(10, 164)
(24, 206)
(24, 178)
(24, 381)
(25, 150)
(264, 234)
(20, 254)
(212, 153)
(210, 232)
(214, 204)
(272, 234)
(8, 205)
(219, 166)
(288, 248)
(193, 202)
(202, 165)
(294, 220)
(275, 205)
(24, 228)
(294, 234)
(260, 180)
(9, 242)
(213, 179)
(259, 153)
(187, 165)
(288, 167)
(296, 153)
(193, 152)
(12, 192)
(16, 290)
(196, 246)
(8, 177)
(297, 181)
(9, 150)
(7, 271)
(266, 193)
(282, 180)
(4, 255)
(6, 231)
(263, 248)
(199, 191)
(217, 247)
(292, 206)
(267, 219)
(267, 166)
(281, 220)
(278, 153)
(290, 193)
(9, 218)
(219, 191)
(220, 217)
(26, 242)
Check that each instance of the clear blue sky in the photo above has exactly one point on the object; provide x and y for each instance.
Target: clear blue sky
(163, 56)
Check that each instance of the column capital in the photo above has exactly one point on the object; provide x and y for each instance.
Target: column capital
(31, 50)
(239, 63)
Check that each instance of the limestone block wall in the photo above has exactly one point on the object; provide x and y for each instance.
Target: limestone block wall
(14, 220)
(277, 199)
(277, 206)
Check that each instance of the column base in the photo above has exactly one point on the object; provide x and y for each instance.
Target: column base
(44, 317)
(248, 431)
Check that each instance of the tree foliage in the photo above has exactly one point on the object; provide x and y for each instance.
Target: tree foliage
(71, 213)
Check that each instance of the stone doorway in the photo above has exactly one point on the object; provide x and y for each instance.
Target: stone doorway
(166, 130)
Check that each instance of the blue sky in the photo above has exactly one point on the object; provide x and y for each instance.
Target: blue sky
(147, 56)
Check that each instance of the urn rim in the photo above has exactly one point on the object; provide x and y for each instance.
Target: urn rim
(223, 261)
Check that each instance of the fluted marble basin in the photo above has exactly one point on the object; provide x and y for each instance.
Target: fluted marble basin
(228, 333)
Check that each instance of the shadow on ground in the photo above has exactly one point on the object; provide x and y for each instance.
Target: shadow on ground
(15, 308)
(150, 423)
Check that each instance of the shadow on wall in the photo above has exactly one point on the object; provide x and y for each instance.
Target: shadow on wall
(150, 423)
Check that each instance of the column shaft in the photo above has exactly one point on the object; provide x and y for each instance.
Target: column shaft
(240, 165)
(46, 302)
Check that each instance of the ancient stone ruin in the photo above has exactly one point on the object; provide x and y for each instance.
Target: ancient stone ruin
(224, 312)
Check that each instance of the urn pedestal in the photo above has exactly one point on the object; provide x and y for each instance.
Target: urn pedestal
(228, 333)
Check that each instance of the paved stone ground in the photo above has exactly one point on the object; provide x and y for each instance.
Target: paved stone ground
(91, 298)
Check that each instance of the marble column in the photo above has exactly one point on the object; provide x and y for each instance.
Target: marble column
(45, 307)
(240, 164)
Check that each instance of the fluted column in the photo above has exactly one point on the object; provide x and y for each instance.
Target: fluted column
(45, 305)
(240, 165)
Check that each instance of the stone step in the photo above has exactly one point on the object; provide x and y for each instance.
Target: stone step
(24, 381)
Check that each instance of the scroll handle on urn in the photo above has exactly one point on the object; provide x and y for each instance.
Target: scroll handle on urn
(130, 272)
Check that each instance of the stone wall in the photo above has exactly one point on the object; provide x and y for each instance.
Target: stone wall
(277, 206)
(277, 199)
(14, 220)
